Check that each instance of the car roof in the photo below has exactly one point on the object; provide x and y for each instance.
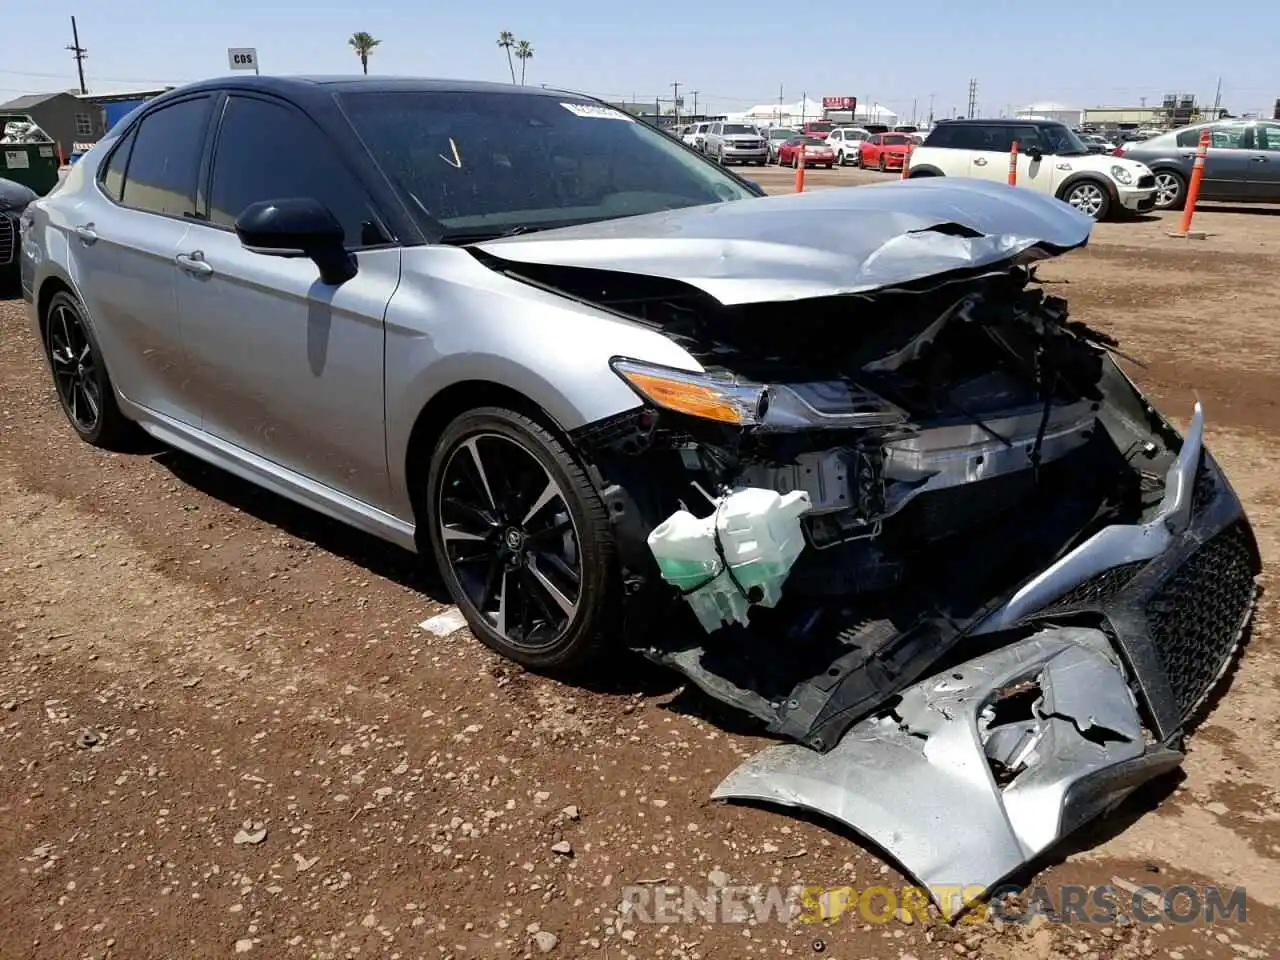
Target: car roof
(1003, 122)
(304, 88)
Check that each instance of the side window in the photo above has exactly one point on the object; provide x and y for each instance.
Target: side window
(165, 160)
(267, 151)
(1029, 137)
(112, 176)
(715, 129)
(1223, 137)
(942, 135)
(1268, 136)
(1190, 138)
(998, 138)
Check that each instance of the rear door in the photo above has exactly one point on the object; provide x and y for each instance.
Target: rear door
(121, 249)
(1264, 164)
(289, 369)
(1227, 164)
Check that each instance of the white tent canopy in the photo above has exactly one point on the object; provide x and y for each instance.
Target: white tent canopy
(785, 114)
(793, 114)
(874, 113)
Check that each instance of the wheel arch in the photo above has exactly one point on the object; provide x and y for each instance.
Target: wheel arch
(438, 412)
(924, 170)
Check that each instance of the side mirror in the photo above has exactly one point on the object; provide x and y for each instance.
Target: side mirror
(298, 227)
(1035, 153)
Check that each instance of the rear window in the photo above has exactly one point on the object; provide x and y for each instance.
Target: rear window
(895, 139)
(738, 128)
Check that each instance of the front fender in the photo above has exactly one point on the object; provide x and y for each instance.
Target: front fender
(453, 319)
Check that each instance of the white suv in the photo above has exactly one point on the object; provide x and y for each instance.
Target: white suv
(1051, 159)
(847, 143)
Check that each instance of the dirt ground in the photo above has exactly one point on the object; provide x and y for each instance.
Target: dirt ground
(222, 732)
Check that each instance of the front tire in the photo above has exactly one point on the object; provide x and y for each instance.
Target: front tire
(521, 539)
(883, 166)
(80, 376)
(1090, 198)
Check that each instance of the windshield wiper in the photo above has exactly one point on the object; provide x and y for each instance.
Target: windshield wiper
(475, 234)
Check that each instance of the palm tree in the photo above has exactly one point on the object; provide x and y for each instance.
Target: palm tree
(363, 43)
(524, 53)
(507, 40)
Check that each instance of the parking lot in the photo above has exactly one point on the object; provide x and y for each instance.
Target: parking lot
(222, 731)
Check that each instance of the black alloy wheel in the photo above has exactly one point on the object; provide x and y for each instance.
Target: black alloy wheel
(80, 376)
(522, 539)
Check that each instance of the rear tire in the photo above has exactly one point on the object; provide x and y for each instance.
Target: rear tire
(80, 377)
(1171, 190)
(882, 166)
(521, 539)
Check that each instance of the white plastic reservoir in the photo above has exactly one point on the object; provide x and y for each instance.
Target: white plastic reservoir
(759, 538)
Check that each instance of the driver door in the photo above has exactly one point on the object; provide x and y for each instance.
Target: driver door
(287, 368)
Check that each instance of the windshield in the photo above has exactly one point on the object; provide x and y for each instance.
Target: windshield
(1060, 141)
(820, 127)
(812, 141)
(738, 128)
(777, 134)
(894, 139)
(482, 164)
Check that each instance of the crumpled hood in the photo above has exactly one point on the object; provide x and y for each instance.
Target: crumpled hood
(817, 244)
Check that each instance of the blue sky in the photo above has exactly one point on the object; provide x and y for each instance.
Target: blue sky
(1082, 53)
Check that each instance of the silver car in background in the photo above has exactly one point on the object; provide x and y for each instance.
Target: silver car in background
(736, 143)
(815, 452)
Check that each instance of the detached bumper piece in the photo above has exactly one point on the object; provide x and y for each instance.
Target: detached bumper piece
(971, 773)
(980, 769)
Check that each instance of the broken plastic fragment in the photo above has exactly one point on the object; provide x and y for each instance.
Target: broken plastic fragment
(738, 556)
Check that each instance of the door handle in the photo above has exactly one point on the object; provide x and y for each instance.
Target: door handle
(1258, 159)
(194, 263)
(1188, 156)
(86, 234)
(980, 162)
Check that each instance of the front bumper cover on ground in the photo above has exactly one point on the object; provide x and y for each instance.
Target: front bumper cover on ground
(973, 772)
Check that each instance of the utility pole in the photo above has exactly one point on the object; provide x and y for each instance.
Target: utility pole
(1217, 100)
(913, 111)
(804, 104)
(973, 97)
(79, 53)
(694, 94)
(675, 99)
(779, 104)
(931, 96)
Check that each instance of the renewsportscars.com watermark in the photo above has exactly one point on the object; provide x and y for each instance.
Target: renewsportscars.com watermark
(1064, 903)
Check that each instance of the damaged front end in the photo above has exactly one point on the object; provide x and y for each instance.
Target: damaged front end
(891, 509)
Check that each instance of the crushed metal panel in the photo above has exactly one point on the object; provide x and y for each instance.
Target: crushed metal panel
(816, 244)
(921, 782)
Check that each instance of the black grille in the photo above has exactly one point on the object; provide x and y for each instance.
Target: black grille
(1098, 589)
(8, 239)
(1196, 616)
(1146, 180)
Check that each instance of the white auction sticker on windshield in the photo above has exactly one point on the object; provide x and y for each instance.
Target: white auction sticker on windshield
(596, 112)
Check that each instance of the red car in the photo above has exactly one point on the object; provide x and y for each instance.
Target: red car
(885, 151)
(817, 153)
(818, 128)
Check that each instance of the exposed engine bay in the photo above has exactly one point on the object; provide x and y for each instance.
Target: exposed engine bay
(951, 442)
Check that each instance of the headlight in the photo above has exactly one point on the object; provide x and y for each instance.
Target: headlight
(832, 405)
(1122, 175)
(695, 394)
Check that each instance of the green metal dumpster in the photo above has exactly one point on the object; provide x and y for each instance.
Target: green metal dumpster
(27, 155)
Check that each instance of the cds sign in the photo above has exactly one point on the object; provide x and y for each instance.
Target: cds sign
(839, 103)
